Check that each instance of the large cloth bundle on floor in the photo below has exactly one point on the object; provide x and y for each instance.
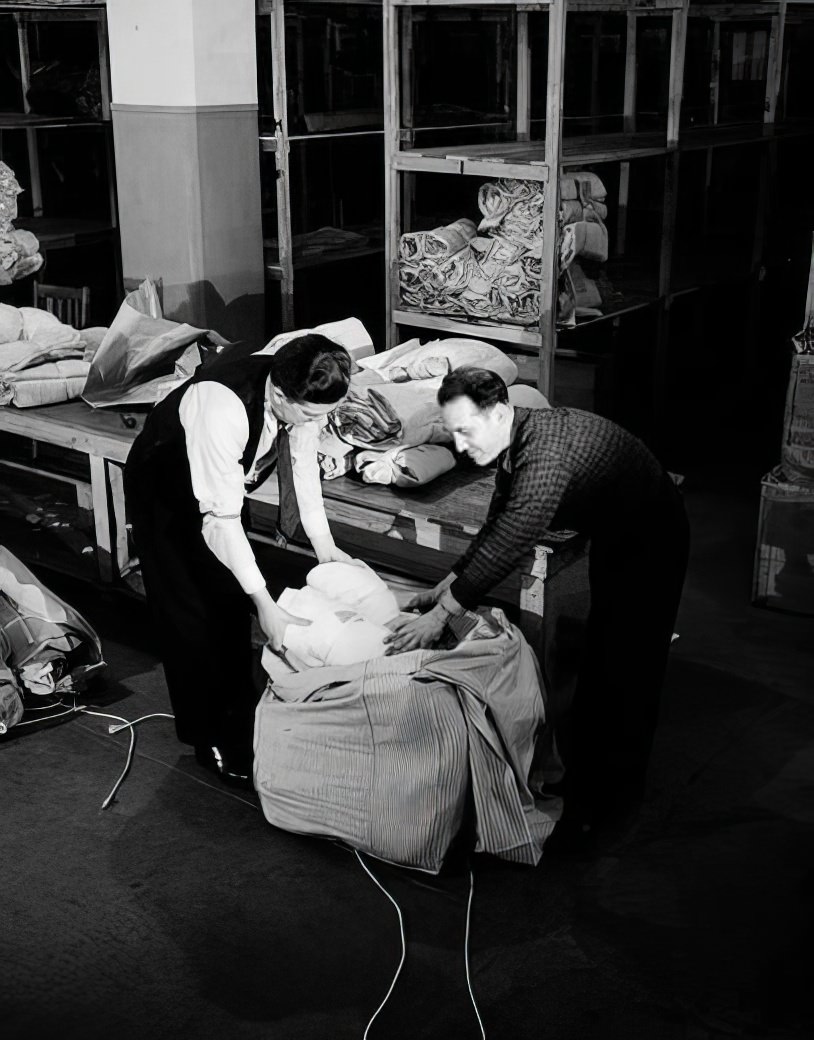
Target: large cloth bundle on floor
(46, 647)
(381, 754)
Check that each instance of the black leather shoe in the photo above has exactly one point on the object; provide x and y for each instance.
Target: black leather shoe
(230, 766)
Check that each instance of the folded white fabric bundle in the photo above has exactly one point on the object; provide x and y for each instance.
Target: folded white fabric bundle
(414, 360)
(356, 585)
(404, 467)
(527, 397)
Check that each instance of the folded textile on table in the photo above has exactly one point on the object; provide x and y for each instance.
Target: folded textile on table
(523, 396)
(414, 360)
(349, 333)
(51, 383)
(381, 754)
(404, 467)
(16, 357)
(335, 455)
(391, 415)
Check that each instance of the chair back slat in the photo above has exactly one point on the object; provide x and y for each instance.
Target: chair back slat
(67, 303)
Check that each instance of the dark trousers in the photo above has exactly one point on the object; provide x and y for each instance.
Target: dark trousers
(636, 573)
(202, 621)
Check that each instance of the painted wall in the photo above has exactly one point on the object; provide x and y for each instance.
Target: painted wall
(184, 102)
(182, 52)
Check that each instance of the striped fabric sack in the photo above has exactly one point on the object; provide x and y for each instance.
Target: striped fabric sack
(382, 754)
(366, 754)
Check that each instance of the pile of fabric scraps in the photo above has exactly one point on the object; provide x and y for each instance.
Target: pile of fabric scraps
(389, 427)
(336, 722)
(46, 647)
(42, 361)
(19, 250)
(492, 272)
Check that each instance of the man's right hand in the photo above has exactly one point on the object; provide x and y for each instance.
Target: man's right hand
(273, 619)
(424, 601)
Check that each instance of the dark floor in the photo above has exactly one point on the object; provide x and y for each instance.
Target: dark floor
(180, 913)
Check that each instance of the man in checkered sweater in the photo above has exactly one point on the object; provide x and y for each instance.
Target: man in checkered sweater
(562, 469)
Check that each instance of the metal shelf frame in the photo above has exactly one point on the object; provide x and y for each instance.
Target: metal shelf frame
(528, 159)
(283, 270)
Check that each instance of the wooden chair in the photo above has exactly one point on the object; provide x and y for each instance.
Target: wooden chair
(70, 305)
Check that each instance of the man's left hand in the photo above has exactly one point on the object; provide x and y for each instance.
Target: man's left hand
(416, 633)
(327, 552)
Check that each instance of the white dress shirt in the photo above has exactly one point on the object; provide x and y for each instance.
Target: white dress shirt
(217, 431)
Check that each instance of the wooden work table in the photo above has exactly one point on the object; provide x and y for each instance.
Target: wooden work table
(418, 532)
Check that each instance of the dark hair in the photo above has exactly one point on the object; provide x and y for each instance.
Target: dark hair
(482, 387)
(311, 368)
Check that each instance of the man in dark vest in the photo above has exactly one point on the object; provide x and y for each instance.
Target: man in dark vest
(564, 469)
(201, 449)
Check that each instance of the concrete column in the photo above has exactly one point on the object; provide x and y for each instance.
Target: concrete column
(184, 103)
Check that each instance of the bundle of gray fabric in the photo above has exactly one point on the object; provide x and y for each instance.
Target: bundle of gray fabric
(492, 273)
(389, 427)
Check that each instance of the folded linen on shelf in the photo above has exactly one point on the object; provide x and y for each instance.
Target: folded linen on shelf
(404, 467)
(495, 275)
(585, 238)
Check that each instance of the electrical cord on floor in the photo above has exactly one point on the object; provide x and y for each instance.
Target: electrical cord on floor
(124, 724)
(379, 885)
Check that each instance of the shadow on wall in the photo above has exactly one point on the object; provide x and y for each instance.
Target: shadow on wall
(200, 304)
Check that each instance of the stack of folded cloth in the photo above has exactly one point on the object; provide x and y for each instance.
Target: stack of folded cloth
(42, 361)
(492, 273)
(389, 428)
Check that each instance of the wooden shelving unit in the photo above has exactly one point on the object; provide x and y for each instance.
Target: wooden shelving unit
(754, 33)
(279, 140)
(61, 232)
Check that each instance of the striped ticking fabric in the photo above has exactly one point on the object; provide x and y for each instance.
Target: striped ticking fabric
(381, 755)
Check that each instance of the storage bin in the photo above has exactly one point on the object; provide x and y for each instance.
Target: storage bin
(784, 558)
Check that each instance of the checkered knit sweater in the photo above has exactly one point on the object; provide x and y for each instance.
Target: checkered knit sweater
(564, 469)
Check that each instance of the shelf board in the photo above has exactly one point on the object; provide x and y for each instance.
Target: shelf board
(331, 256)
(517, 334)
(32, 121)
(65, 232)
(525, 160)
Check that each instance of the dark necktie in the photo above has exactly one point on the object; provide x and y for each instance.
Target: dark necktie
(288, 519)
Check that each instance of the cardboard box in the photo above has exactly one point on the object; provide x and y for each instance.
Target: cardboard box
(784, 560)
